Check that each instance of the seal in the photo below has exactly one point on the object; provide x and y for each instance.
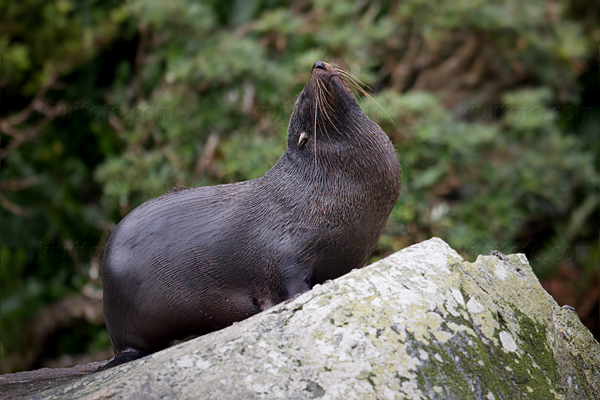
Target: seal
(197, 260)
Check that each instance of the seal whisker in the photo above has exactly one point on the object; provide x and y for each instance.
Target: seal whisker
(319, 106)
(315, 127)
(355, 83)
(328, 103)
(353, 78)
(347, 79)
(324, 108)
(319, 101)
(358, 84)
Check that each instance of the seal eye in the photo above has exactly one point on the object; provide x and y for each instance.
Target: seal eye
(303, 139)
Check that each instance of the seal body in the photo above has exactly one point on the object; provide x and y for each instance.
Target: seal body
(197, 260)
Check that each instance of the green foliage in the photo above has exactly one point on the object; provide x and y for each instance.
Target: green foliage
(477, 185)
(134, 98)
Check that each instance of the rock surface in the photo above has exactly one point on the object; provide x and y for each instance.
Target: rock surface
(21, 384)
(420, 324)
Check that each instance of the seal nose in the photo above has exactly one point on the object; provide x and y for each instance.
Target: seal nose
(319, 65)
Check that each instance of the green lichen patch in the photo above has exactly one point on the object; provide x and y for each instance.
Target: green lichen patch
(481, 332)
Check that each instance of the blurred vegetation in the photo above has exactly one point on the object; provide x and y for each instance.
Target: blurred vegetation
(493, 106)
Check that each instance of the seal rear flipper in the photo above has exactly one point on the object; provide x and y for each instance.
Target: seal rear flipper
(125, 357)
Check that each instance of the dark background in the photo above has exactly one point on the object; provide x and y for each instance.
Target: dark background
(494, 107)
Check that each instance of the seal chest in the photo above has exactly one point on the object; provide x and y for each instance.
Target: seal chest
(197, 260)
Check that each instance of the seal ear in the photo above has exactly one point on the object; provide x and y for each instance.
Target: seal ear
(302, 140)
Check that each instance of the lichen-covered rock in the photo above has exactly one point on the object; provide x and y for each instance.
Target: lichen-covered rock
(420, 324)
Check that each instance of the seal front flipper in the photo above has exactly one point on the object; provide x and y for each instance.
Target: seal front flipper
(297, 280)
(125, 356)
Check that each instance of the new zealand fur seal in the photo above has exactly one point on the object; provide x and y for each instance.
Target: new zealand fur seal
(197, 260)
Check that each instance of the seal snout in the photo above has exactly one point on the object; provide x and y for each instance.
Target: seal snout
(324, 70)
(320, 65)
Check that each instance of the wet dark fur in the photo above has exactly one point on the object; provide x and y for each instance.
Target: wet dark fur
(196, 260)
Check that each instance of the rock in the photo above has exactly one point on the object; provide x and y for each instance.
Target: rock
(20, 384)
(422, 323)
